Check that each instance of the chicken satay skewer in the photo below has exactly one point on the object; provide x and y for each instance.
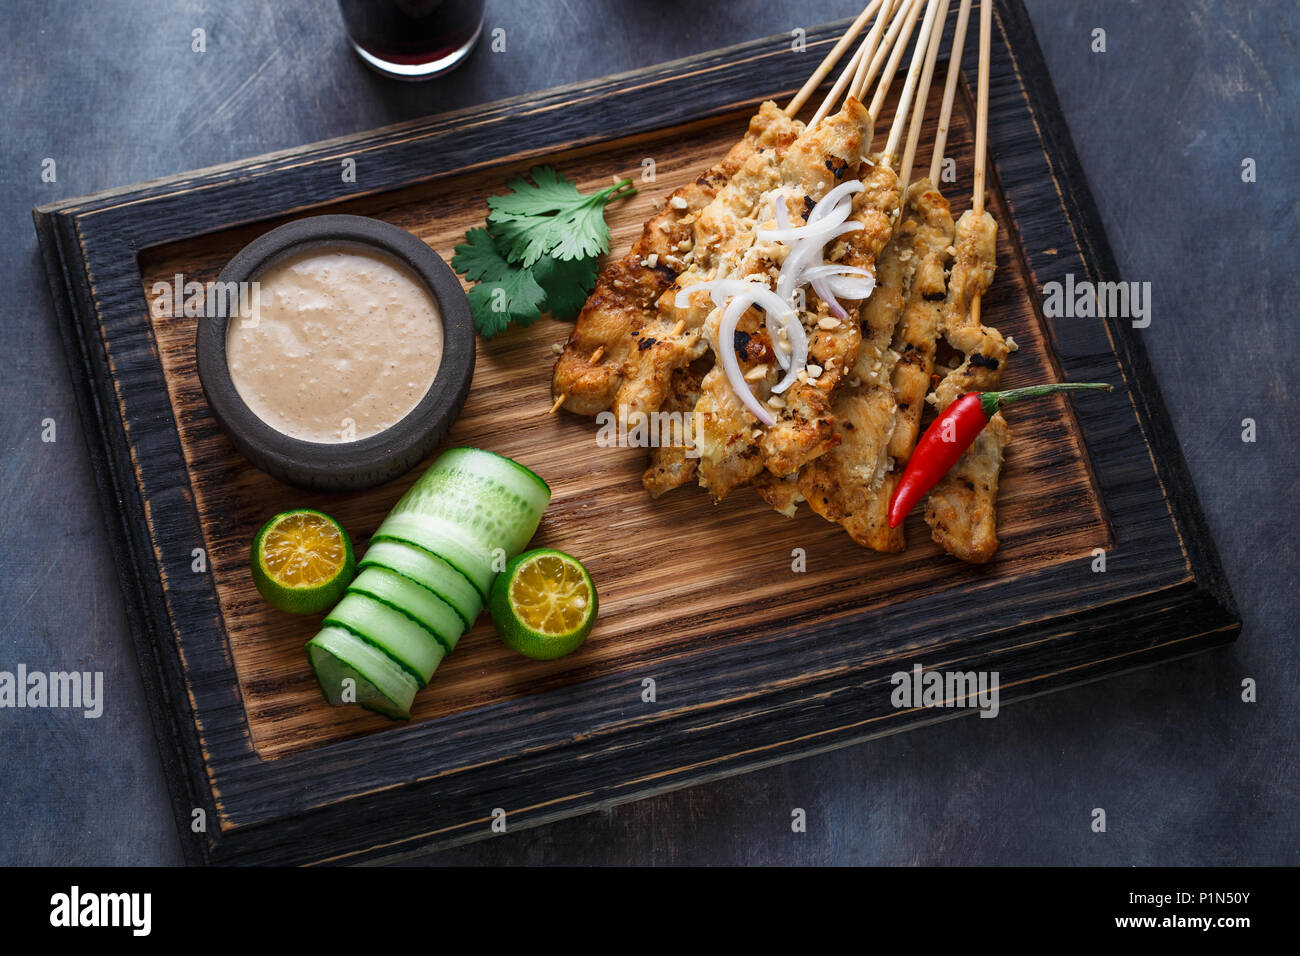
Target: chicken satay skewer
(793, 107)
(910, 386)
(841, 486)
(961, 509)
(805, 429)
(819, 74)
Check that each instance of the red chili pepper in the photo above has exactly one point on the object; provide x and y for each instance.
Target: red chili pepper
(952, 433)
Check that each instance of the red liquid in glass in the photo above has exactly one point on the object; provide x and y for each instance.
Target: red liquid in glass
(411, 32)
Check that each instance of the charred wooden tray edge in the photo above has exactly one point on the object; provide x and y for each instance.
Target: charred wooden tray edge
(833, 709)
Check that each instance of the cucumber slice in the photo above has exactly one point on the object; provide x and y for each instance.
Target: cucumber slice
(465, 507)
(428, 570)
(470, 559)
(404, 639)
(437, 616)
(380, 684)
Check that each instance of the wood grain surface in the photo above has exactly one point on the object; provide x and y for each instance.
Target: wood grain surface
(552, 745)
(671, 573)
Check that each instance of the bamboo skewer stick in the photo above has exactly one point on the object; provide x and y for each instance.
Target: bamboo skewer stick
(866, 49)
(982, 105)
(922, 96)
(919, 57)
(949, 90)
(863, 82)
(840, 83)
(982, 122)
(831, 58)
(895, 57)
(869, 62)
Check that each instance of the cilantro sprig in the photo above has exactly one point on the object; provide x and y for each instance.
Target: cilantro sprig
(538, 252)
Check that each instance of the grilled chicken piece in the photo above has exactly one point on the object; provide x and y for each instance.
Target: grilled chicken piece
(838, 483)
(835, 484)
(931, 298)
(984, 347)
(853, 484)
(877, 208)
(625, 295)
(670, 467)
(626, 290)
(809, 168)
(783, 494)
(814, 164)
(675, 336)
(962, 508)
(725, 430)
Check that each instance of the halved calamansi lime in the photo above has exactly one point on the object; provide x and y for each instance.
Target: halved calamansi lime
(544, 604)
(302, 561)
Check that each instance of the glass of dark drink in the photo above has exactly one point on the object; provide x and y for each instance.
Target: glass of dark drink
(412, 39)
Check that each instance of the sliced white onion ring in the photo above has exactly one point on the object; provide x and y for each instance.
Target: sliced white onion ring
(822, 287)
(719, 290)
(857, 289)
(819, 229)
(730, 364)
(780, 211)
(833, 270)
(833, 198)
(800, 259)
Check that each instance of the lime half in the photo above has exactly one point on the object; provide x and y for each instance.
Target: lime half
(543, 604)
(302, 561)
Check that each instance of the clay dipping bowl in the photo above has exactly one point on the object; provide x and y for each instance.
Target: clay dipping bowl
(366, 462)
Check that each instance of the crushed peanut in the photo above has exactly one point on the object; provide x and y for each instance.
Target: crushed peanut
(828, 323)
(677, 202)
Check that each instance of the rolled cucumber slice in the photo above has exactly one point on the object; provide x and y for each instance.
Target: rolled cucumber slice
(405, 639)
(472, 560)
(437, 616)
(429, 570)
(466, 507)
(380, 684)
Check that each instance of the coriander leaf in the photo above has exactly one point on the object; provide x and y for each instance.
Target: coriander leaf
(504, 294)
(566, 282)
(549, 215)
(548, 192)
(495, 304)
(477, 258)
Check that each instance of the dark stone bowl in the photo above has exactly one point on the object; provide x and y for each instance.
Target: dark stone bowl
(367, 462)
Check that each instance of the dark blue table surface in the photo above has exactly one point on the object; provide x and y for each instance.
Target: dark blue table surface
(1187, 772)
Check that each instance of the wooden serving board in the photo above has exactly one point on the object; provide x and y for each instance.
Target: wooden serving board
(752, 661)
